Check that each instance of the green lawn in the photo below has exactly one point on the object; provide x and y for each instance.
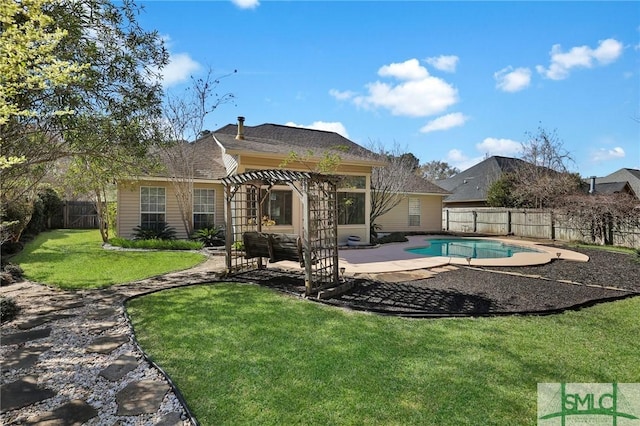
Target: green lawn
(242, 354)
(75, 259)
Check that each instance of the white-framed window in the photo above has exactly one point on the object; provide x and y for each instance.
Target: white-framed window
(204, 205)
(351, 208)
(279, 207)
(351, 200)
(152, 207)
(414, 211)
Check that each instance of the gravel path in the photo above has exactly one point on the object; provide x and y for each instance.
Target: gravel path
(69, 357)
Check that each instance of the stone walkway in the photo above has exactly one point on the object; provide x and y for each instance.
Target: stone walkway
(70, 359)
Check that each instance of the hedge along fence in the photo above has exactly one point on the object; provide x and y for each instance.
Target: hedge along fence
(529, 223)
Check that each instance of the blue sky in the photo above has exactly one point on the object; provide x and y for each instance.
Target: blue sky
(449, 81)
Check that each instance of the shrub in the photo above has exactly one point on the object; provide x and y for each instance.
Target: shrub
(47, 205)
(11, 247)
(210, 237)
(155, 244)
(394, 237)
(8, 309)
(160, 232)
(15, 270)
(15, 218)
(6, 279)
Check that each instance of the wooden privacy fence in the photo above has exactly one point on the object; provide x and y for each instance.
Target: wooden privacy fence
(529, 223)
(79, 215)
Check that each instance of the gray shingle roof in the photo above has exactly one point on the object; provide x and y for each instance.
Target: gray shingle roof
(282, 140)
(473, 183)
(418, 185)
(611, 187)
(625, 174)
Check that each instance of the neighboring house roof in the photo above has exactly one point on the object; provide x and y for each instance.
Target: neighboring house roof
(419, 185)
(613, 188)
(279, 140)
(623, 175)
(472, 184)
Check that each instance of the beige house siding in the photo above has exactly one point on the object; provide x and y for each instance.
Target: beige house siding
(397, 220)
(129, 206)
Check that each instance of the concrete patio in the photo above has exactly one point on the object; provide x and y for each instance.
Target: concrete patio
(394, 257)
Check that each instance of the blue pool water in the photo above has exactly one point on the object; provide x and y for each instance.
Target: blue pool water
(469, 247)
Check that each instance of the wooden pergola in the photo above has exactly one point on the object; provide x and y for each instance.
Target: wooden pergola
(315, 247)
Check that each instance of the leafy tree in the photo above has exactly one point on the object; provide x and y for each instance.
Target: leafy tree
(436, 170)
(29, 65)
(113, 92)
(94, 175)
(29, 69)
(409, 160)
(499, 193)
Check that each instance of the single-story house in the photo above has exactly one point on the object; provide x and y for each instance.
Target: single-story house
(237, 148)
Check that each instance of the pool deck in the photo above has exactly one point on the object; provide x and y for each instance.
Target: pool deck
(393, 257)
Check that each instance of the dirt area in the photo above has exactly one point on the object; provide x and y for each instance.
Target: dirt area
(486, 291)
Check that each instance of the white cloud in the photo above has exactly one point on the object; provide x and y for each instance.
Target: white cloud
(608, 154)
(332, 126)
(416, 95)
(445, 122)
(407, 70)
(246, 4)
(580, 56)
(340, 95)
(181, 66)
(512, 80)
(458, 159)
(495, 146)
(488, 147)
(445, 63)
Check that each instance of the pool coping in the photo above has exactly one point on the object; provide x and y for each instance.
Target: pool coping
(393, 257)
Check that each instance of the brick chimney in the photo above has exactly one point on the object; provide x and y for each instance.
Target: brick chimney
(240, 135)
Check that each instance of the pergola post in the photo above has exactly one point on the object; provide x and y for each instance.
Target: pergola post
(229, 225)
(306, 238)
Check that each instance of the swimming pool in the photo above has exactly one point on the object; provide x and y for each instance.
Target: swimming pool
(469, 248)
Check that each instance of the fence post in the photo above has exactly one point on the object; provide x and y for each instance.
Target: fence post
(475, 221)
(508, 222)
(552, 224)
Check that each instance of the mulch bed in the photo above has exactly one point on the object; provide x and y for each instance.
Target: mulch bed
(485, 291)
